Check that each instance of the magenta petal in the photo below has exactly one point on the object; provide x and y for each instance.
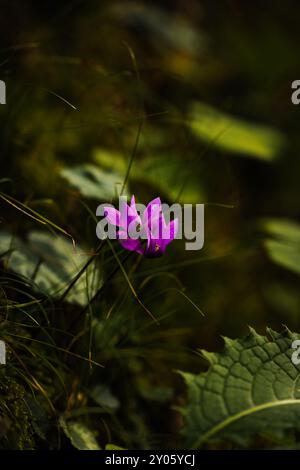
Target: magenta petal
(169, 234)
(153, 233)
(154, 207)
(132, 245)
(124, 215)
(129, 214)
(133, 213)
(156, 201)
(152, 214)
(155, 248)
(132, 203)
(112, 215)
(157, 245)
(170, 230)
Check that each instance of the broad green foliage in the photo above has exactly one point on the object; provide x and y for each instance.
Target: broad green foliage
(91, 181)
(161, 172)
(81, 437)
(283, 246)
(232, 134)
(183, 102)
(250, 388)
(50, 262)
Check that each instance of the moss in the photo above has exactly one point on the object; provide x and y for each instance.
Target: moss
(15, 419)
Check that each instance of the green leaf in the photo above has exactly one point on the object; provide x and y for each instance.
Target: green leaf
(233, 134)
(51, 262)
(113, 447)
(160, 171)
(250, 388)
(93, 182)
(284, 229)
(102, 395)
(80, 436)
(284, 254)
(284, 246)
(156, 393)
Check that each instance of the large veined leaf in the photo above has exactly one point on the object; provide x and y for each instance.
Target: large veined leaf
(93, 182)
(283, 246)
(80, 436)
(250, 388)
(160, 171)
(233, 134)
(51, 262)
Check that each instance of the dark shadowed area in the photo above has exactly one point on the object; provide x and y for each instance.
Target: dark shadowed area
(189, 101)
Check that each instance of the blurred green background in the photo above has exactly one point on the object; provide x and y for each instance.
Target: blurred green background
(194, 97)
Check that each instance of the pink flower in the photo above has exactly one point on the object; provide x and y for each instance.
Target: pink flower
(148, 234)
